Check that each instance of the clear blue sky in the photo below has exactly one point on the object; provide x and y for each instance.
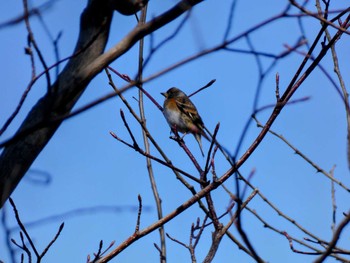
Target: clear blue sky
(89, 168)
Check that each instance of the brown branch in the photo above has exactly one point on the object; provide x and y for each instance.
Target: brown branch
(200, 228)
(289, 219)
(24, 230)
(294, 85)
(160, 252)
(35, 127)
(32, 41)
(24, 248)
(154, 49)
(292, 239)
(307, 159)
(335, 239)
(19, 135)
(341, 82)
(146, 141)
(167, 160)
(68, 88)
(176, 169)
(192, 246)
(334, 203)
(221, 231)
(321, 18)
(135, 144)
(182, 144)
(203, 88)
(99, 252)
(137, 227)
(70, 85)
(52, 241)
(19, 222)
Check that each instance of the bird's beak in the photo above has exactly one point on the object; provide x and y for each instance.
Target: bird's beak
(164, 94)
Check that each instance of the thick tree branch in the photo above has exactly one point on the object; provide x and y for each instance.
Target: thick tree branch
(80, 70)
(16, 159)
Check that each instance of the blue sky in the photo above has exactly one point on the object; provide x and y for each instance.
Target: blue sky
(88, 168)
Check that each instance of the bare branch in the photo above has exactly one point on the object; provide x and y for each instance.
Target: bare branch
(52, 241)
(335, 238)
(70, 85)
(308, 160)
(19, 222)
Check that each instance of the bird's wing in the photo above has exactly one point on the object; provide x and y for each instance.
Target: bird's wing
(187, 107)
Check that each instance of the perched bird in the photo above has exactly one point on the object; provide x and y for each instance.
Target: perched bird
(182, 115)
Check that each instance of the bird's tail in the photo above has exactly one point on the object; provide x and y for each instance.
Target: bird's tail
(199, 140)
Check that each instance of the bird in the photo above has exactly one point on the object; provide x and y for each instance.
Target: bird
(182, 116)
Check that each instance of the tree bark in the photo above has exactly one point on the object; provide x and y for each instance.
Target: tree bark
(17, 157)
(88, 60)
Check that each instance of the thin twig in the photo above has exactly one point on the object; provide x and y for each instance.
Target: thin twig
(19, 222)
(111, 95)
(335, 239)
(137, 227)
(52, 241)
(203, 88)
(146, 141)
(230, 20)
(154, 49)
(220, 232)
(334, 203)
(341, 81)
(177, 170)
(322, 19)
(32, 40)
(308, 160)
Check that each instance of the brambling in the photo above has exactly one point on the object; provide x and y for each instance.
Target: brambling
(182, 115)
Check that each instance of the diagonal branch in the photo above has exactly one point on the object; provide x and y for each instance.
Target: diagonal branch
(16, 158)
